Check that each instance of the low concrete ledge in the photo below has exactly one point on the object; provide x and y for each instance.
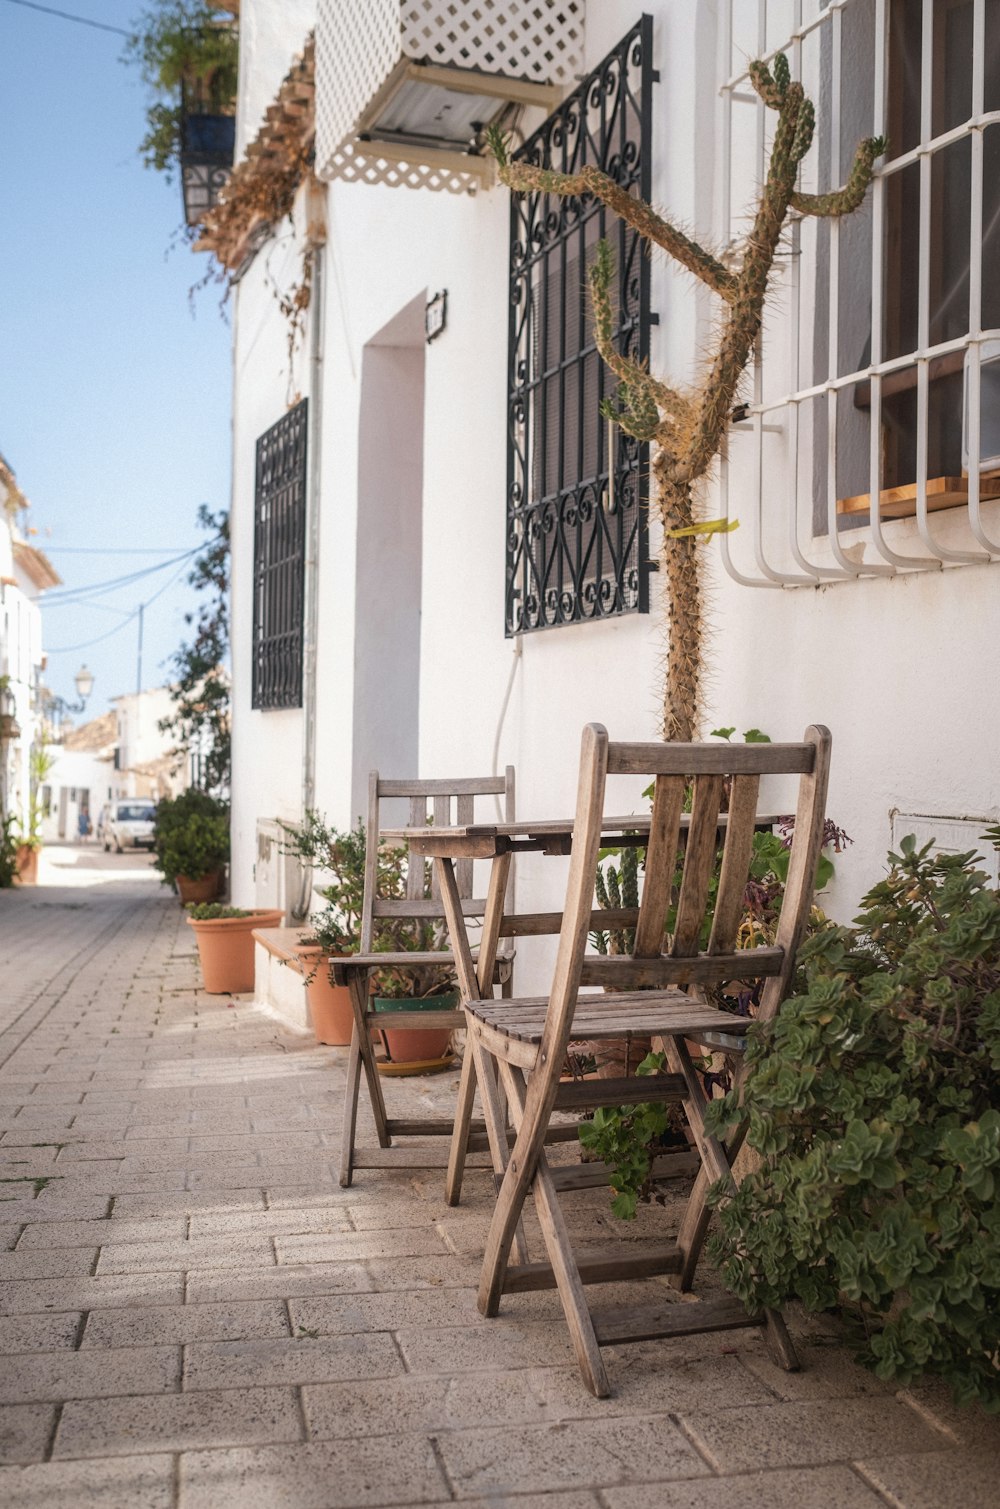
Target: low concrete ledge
(278, 981)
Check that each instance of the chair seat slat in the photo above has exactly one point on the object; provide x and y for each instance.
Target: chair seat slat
(627, 1015)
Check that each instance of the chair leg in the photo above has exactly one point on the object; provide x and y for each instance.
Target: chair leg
(568, 1282)
(350, 1111)
(359, 1002)
(500, 1238)
(696, 1218)
(779, 1343)
(463, 1118)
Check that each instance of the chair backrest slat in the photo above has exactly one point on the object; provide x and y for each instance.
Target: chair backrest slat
(435, 795)
(699, 859)
(661, 857)
(415, 872)
(807, 842)
(465, 816)
(442, 819)
(371, 863)
(736, 858)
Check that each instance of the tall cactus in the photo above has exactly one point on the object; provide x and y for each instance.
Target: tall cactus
(687, 428)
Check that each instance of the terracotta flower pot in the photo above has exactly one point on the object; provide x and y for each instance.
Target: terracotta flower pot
(416, 1044)
(27, 864)
(205, 889)
(225, 949)
(329, 1005)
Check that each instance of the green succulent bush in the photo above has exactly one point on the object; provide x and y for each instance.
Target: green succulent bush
(191, 835)
(214, 911)
(874, 1100)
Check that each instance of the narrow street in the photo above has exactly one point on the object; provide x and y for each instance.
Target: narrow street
(195, 1314)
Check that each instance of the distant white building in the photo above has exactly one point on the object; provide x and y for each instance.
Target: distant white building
(442, 555)
(82, 778)
(144, 764)
(25, 574)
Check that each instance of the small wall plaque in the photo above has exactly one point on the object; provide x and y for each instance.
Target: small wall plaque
(436, 315)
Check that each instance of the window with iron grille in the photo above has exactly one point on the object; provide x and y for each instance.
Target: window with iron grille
(577, 546)
(278, 556)
(871, 445)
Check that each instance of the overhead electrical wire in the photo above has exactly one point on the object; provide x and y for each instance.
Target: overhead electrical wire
(65, 15)
(69, 649)
(90, 590)
(112, 550)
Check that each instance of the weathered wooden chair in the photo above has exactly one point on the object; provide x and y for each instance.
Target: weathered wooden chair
(524, 1041)
(443, 802)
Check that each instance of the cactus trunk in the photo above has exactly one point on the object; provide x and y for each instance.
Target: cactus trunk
(683, 603)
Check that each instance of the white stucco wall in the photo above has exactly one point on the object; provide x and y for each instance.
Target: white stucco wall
(901, 670)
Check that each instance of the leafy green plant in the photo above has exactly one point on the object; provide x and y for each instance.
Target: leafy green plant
(8, 851)
(874, 1100)
(212, 911)
(178, 46)
(337, 928)
(40, 764)
(191, 835)
(627, 1138)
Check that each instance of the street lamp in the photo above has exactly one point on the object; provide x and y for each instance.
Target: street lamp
(59, 707)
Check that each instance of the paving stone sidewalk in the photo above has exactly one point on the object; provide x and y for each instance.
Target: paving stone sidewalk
(193, 1313)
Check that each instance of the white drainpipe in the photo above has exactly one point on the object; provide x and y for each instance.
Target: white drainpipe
(300, 907)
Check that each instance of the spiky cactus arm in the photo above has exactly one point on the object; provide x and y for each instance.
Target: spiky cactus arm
(683, 599)
(844, 201)
(641, 394)
(527, 178)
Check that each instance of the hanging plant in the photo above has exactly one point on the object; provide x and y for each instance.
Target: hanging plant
(186, 52)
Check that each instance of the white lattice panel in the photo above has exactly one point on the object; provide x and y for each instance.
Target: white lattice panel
(527, 39)
(358, 167)
(360, 42)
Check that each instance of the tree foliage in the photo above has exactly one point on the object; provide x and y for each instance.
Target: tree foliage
(874, 1099)
(200, 722)
(178, 43)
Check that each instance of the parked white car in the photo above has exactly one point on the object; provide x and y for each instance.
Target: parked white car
(130, 825)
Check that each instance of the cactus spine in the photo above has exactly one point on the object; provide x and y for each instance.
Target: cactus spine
(687, 429)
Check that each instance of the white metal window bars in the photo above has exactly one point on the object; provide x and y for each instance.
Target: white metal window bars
(780, 414)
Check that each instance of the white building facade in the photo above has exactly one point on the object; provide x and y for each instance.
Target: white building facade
(25, 574)
(437, 571)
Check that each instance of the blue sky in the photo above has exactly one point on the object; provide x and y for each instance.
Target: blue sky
(114, 400)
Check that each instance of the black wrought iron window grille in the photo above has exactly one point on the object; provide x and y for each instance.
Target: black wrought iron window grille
(577, 536)
(278, 561)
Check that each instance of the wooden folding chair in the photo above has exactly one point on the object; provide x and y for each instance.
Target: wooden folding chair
(442, 802)
(525, 1040)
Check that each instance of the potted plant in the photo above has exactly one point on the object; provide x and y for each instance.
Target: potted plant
(334, 932)
(29, 843)
(191, 841)
(418, 987)
(225, 944)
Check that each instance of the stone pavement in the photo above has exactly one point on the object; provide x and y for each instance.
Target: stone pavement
(193, 1313)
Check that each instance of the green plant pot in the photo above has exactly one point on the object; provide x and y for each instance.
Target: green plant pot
(408, 1045)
